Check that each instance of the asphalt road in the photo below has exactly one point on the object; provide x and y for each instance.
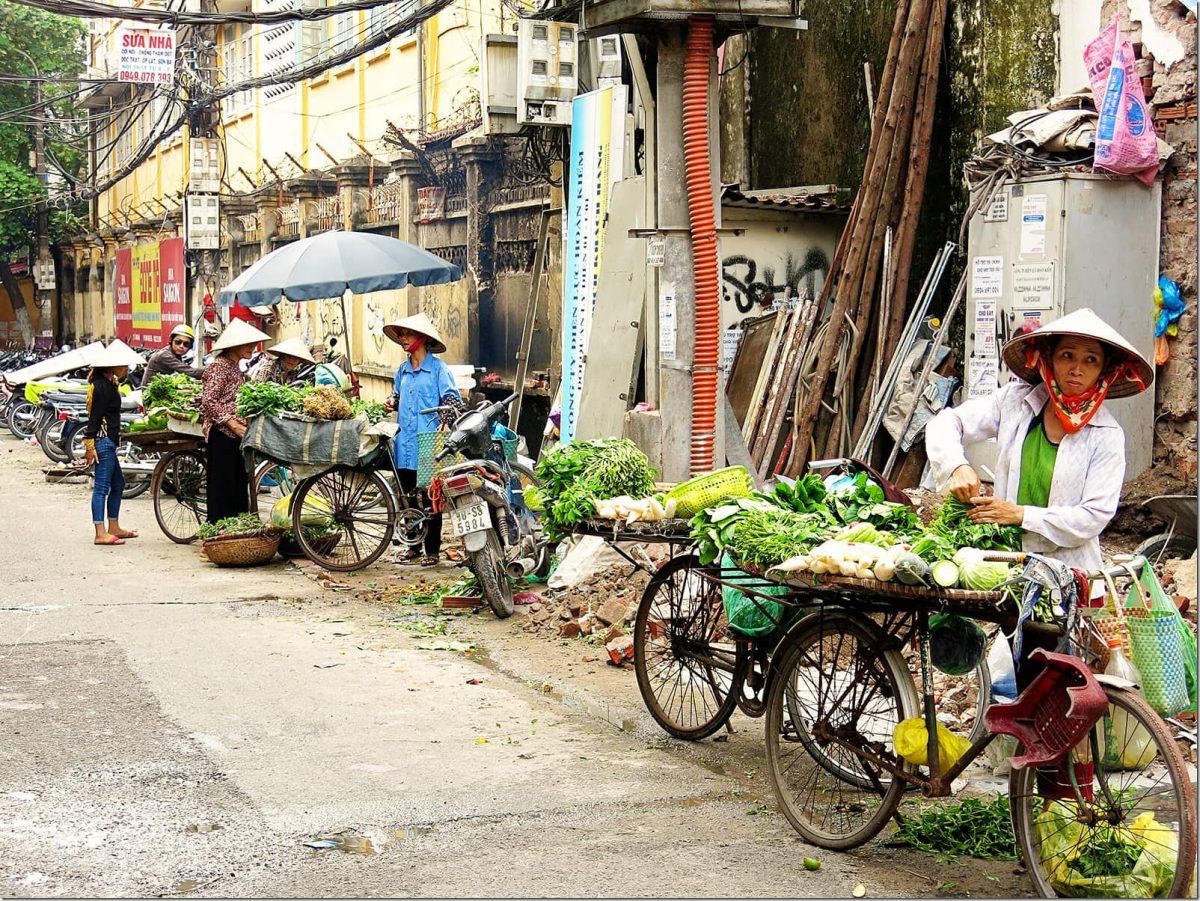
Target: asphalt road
(171, 728)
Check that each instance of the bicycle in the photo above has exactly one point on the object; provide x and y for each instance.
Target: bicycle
(840, 688)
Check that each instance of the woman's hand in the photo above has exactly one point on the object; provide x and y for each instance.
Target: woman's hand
(389, 405)
(90, 457)
(964, 483)
(238, 427)
(996, 510)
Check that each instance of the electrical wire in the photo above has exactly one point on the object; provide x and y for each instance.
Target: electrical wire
(85, 9)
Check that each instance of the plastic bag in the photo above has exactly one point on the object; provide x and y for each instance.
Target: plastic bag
(1064, 841)
(1125, 138)
(911, 741)
(751, 616)
(317, 512)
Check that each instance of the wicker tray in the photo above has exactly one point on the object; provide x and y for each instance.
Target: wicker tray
(161, 440)
(889, 589)
(618, 530)
(237, 550)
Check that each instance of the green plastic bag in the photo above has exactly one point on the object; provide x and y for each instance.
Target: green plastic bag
(751, 616)
(1064, 843)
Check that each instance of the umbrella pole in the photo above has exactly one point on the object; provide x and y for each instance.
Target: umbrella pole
(346, 333)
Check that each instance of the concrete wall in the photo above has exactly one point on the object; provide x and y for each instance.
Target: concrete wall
(778, 250)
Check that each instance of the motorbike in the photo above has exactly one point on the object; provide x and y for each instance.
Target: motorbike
(1179, 539)
(485, 502)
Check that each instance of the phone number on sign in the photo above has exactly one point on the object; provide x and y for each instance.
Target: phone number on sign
(146, 77)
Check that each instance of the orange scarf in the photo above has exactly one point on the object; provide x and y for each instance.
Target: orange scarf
(1074, 411)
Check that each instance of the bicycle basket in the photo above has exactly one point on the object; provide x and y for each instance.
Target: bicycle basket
(709, 490)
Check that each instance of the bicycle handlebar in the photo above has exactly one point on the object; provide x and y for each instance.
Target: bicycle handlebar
(1123, 563)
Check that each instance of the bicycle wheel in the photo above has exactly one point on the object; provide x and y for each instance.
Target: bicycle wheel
(179, 490)
(836, 677)
(1065, 843)
(272, 482)
(363, 515)
(965, 697)
(689, 667)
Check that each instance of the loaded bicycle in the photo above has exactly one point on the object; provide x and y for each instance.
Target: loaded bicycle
(832, 685)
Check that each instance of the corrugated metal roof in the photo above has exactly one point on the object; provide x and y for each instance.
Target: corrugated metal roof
(805, 200)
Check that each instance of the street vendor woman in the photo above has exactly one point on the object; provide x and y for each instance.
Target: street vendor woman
(1060, 453)
(422, 382)
(228, 487)
(101, 436)
(281, 363)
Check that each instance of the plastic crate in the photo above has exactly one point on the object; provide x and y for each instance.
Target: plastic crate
(1053, 713)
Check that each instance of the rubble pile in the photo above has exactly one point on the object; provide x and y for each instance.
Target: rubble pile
(599, 609)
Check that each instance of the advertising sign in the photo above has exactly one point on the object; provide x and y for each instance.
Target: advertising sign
(596, 163)
(146, 55)
(150, 291)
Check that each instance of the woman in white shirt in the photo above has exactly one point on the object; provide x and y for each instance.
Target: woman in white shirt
(1060, 453)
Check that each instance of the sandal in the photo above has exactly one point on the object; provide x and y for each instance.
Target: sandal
(112, 539)
(126, 533)
(431, 560)
(409, 558)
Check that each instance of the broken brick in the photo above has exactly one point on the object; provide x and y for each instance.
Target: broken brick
(569, 629)
(619, 650)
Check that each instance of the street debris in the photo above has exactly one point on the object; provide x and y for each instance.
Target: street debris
(442, 644)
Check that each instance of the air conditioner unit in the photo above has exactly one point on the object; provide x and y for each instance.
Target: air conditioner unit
(547, 71)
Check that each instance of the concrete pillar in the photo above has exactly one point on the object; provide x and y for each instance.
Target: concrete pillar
(676, 278)
(477, 153)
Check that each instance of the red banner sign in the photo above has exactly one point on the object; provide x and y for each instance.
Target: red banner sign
(150, 292)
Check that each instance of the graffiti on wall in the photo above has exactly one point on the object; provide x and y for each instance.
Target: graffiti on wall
(749, 284)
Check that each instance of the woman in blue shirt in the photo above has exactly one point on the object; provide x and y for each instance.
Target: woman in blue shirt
(422, 381)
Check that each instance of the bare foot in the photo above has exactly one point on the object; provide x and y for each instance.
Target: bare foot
(108, 539)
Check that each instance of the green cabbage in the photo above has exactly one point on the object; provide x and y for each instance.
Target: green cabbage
(977, 574)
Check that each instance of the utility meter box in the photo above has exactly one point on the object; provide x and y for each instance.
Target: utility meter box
(609, 16)
(1046, 246)
(547, 71)
(203, 221)
(204, 167)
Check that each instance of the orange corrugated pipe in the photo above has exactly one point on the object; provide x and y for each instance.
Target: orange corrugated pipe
(704, 242)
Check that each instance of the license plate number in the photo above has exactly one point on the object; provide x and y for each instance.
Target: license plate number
(471, 518)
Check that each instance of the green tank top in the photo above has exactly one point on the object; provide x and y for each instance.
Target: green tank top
(1037, 466)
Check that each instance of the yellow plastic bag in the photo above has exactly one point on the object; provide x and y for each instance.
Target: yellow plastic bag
(317, 512)
(911, 741)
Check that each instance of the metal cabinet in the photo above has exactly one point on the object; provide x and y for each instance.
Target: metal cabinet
(1047, 246)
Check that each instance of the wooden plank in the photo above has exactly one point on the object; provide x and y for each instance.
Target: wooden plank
(736, 452)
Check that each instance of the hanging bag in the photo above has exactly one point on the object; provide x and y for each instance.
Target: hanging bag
(1110, 622)
(1158, 645)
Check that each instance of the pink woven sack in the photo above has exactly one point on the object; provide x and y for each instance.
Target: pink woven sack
(1125, 138)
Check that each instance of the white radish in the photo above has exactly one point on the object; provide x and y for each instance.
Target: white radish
(848, 568)
(885, 568)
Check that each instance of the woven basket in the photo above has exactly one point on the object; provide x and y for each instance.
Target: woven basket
(242, 550)
(430, 444)
(322, 547)
(709, 490)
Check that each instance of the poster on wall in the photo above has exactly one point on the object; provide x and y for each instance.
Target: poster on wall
(150, 292)
(597, 162)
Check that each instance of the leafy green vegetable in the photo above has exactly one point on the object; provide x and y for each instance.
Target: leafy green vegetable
(243, 525)
(574, 476)
(972, 827)
(374, 410)
(156, 421)
(977, 574)
(1107, 854)
(178, 393)
(268, 399)
(953, 524)
(805, 495)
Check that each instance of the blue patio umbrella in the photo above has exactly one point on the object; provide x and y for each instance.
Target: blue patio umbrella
(324, 266)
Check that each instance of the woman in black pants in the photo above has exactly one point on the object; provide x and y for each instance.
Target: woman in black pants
(228, 486)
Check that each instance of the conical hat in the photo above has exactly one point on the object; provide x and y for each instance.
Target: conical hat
(421, 324)
(1082, 324)
(292, 347)
(237, 333)
(118, 353)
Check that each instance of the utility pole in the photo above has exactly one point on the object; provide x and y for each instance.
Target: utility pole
(45, 269)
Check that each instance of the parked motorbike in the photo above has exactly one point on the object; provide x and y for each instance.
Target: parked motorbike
(1179, 540)
(502, 538)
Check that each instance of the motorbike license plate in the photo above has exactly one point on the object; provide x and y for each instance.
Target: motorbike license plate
(471, 518)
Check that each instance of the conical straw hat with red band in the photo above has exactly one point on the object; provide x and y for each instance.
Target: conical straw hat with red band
(422, 325)
(1126, 372)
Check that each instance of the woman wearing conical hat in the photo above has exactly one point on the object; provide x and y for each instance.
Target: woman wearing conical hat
(1060, 452)
(101, 437)
(422, 382)
(281, 363)
(228, 487)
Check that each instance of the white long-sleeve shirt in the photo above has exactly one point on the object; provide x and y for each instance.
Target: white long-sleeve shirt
(1089, 468)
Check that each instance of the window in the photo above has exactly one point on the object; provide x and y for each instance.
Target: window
(237, 52)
